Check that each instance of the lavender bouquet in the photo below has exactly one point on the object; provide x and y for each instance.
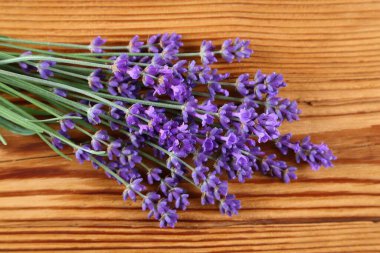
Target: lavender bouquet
(154, 118)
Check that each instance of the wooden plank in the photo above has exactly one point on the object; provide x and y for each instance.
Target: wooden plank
(329, 52)
(239, 238)
(57, 189)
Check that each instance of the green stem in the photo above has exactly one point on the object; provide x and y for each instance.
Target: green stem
(154, 159)
(63, 72)
(188, 54)
(32, 42)
(47, 58)
(55, 119)
(53, 53)
(135, 54)
(143, 102)
(17, 119)
(63, 86)
(2, 140)
(52, 111)
(111, 54)
(64, 45)
(170, 154)
(82, 70)
(116, 176)
(204, 94)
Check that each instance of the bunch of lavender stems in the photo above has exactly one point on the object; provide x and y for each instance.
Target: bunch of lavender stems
(154, 118)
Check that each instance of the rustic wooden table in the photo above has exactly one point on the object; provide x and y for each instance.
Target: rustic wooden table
(329, 52)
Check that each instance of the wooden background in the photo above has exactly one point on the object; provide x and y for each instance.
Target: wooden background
(329, 52)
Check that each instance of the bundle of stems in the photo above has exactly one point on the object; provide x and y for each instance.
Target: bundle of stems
(152, 116)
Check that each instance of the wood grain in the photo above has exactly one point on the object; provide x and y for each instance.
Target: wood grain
(329, 52)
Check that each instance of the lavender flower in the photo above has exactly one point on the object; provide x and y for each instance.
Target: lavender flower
(114, 149)
(67, 123)
(134, 72)
(283, 108)
(58, 142)
(168, 218)
(241, 49)
(275, 168)
(227, 51)
(95, 80)
(82, 154)
(238, 49)
(207, 53)
(167, 121)
(243, 84)
(315, 155)
(95, 45)
(135, 45)
(179, 197)
(43, 69)
(134, 186)
(60, 92)
(98, 138)
(93, 114)
(154, 175)
(305, 150)
(158, 42)
(120, 66)
(27, 68)
(229, 205)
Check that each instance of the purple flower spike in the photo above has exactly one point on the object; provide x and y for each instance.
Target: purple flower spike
(95, 45)
(134, 72)
(154, 175)
(315, 155)
(43, 69)
(158, 42)
(226, 113)
(241, 49)
(189, 109)
(168, 219)
(265, 127)
(274, 82)
(114, 149)
(238, 49)
(199, 174)
(95, 80)
(134, 187)
(67, 124)
(227, 51)
(171, 39)
(93, 114)
(269, 165)
(57, 142)
(120, 66)
(229, 205)
(243, 84)
(23, 65)
(60, 92)
(135, 45)
(149, 203)
(283, 108)
(81, 155)
(289, 174)
(207, 53)
(153, 42)
(169, 53)
(283, 143)
(97, 138)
